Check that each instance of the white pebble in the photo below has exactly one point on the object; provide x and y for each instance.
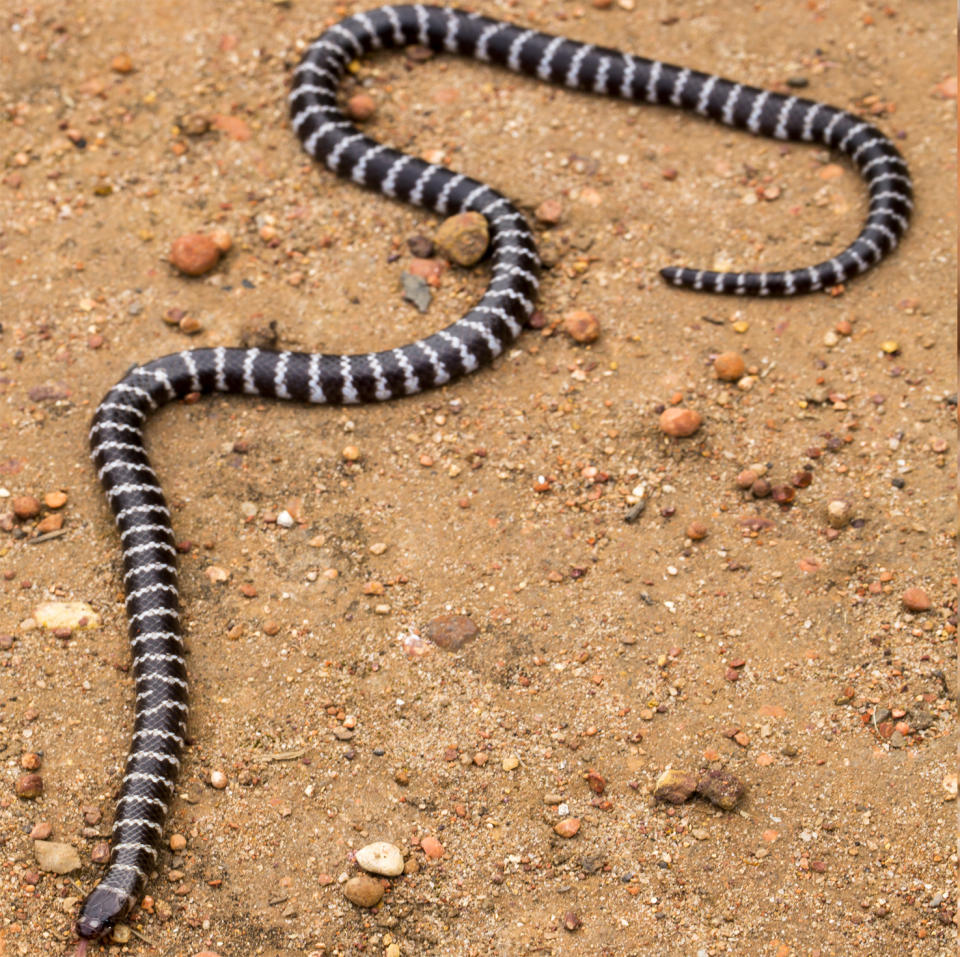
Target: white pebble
(381, 858)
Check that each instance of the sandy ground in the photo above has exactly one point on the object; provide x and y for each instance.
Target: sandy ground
(774, 648)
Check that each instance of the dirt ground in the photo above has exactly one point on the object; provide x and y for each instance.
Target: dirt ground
(775, 648)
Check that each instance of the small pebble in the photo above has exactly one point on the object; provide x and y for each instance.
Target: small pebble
(581, 326)
(218, 780)
(746, 479)
(463, 238)
(432, 848)
(571, 921)
(195, 124)
(568, 827)
(55, 499)
(675, 786)
(697, 531)
(351, 453)
(595, 781)
(721, 788)
(363, 891)
(194, 254)
(121, 63)
(381, 857)
(549, 212)
(29, 786)
(450, 632)
(51, 523)
(783, 494)
(56, 857)
(838, 513)
(416, 290)
(420, 246)
(41, 831)
(120, 934)
(100, 853)
(729, 366)
(222, 240)
(177, 842)
(25, 506)
(916, 599)
(679, 422)
(361, 107)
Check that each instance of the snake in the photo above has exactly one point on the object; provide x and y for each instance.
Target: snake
(474, 340)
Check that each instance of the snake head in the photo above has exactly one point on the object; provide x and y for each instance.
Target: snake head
(99, 913)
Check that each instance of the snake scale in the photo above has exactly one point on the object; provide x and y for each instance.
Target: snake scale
(116, 436)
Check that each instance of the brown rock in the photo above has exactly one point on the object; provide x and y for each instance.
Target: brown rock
(29, 786)
(721, 788)
(783, 494)
(25, 506)
(190, 325)
(433, 849)
(450, 632)
(581, 326)
(55, 499)
(195, 124)
(430, 270)
(100, 852)
(121, 63)
(916, 599)
(363, 891)
(675, 786)
(361, 107)
(729, 366)
(549, 212)
(463, 238)
(194, 254)
(52, 523)
(567, 827)
(697, 531)
(596, 781)
(679, 422)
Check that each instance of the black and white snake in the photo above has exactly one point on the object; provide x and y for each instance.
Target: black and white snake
(116, 437)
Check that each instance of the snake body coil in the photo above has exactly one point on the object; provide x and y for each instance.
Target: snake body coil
(116, 436)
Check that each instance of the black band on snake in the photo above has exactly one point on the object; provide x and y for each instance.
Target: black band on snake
(116, 437)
